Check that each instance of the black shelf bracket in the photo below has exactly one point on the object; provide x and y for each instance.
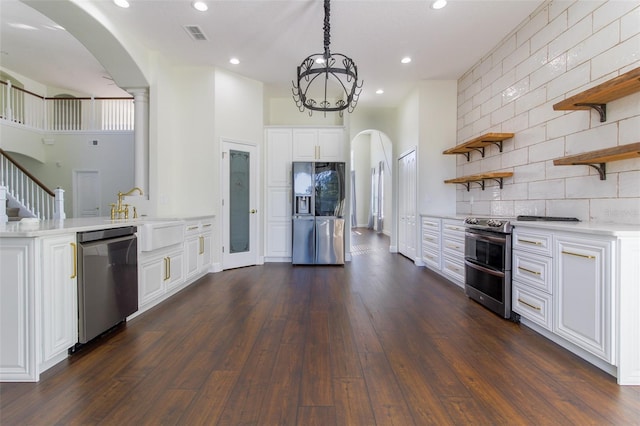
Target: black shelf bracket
(601, 168)
(467, 154)
(601, 108)
(498, 181)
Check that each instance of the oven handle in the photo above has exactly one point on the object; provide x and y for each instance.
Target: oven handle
(480, 237)
(483, 269)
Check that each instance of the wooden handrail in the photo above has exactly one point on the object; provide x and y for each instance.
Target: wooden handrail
(26, 172)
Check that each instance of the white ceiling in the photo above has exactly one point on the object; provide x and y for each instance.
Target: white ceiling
(271, 38)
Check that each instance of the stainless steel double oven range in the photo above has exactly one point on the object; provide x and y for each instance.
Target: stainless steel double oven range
(488, 264)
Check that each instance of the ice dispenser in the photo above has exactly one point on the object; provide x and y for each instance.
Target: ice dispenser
(302, 204)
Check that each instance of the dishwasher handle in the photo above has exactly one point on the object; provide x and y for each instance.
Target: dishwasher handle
(105, 234)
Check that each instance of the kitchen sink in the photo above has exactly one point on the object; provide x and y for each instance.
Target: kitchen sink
(156, 234)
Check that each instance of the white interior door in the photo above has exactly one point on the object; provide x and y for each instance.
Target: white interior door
(407, 183)
(240, 205)
(86, 193)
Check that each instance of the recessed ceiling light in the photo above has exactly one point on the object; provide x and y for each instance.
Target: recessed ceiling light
(438, 4)
(200, 6)
(234, 61)
(379, 92)
(121, 3)
(405, 60)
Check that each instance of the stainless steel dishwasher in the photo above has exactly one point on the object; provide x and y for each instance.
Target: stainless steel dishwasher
(107, 279)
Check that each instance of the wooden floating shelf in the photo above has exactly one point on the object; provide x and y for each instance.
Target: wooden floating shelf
(479, 143)
(597, 97)
(480, 179)
(598, 159)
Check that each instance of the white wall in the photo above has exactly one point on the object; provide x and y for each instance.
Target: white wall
(562, 49)
(361, 165)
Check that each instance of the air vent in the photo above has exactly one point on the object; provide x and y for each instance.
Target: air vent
(195, 32)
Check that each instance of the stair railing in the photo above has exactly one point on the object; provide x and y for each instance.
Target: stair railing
(28, 191)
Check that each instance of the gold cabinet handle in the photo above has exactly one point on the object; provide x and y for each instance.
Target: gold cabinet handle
(206, 225)
(529, 270)
(535, 243)
(201, 245)
(191, 228)
(74, 247)
(586, 256)
(253, 211)
(537, 308)
(167, 268)
(451, 268)
(453, 246)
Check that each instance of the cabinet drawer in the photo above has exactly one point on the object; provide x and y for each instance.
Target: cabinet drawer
(533, 241)
(453, 246)
(431, 258)
(533, 270)
(454, 269)
(431, 223)
(431, 240)
(453, 228)
(532, 304)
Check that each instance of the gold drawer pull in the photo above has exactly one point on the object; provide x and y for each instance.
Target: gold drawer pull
(453, 246)
(536, 243)
(201, 245)
(529, 270)
(586, 256)
(74, 274)
(191, 228)
(206, 225)
(451, 268)
(537, 308)
(167, 268)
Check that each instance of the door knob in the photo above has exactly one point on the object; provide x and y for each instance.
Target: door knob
(253, 211)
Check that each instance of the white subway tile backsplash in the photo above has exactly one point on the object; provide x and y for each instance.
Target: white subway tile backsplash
(570, 38)
(536, 61)
(604, 136)
(629, 184)
(530, 136)
(529, 173)
(515, 191)
(549, 71)
(599, 42)
(531, 99)
(568, 208)
(551, 32)
(591, 186)
(547, 150)
(536, 24)
(566, 47)
(622, 55)
(507, 47)
(546, 190)
(620, 210)
(629, 130)
(579, 9)
(529, 207)
(574, 78)
(611, 11)
(516, 124)
(515, 91)
(630, 24)
(574, 121)
(516, 57)
(516, 157)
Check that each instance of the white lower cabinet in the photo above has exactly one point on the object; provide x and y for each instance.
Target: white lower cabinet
(583, 294)
(38, 304)
(453, 250)
(431, 242)
(197, 248)
(160, 271)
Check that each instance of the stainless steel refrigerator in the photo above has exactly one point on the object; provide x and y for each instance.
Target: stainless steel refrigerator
(318, 222)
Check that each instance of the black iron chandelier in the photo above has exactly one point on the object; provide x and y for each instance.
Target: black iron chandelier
(320, 72)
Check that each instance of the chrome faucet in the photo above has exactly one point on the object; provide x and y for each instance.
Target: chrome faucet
(119, 210)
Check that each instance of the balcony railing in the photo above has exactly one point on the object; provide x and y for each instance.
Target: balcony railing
(64, 113)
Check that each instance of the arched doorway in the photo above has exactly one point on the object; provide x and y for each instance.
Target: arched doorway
(372, 181)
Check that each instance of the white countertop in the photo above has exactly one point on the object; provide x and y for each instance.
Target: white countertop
(52, 227)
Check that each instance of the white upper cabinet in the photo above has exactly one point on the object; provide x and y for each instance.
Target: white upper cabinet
(279, 143)
(318, 144)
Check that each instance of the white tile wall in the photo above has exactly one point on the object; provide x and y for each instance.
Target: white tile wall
(565, 48)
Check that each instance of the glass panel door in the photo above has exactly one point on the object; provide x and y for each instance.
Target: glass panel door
(239, 205)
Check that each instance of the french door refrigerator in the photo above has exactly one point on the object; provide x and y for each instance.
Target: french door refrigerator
(318, 222)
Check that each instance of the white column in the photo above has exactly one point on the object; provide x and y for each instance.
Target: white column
(141, 138)
(58, 207)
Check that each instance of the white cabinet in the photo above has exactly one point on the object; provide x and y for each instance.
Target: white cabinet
(318, 144)
(532, 275)
(160, 272)
(431, 242)
(453, 250)
(197, 248)
(38, 304)
(583, 293)
(59, 291)
(278, 157)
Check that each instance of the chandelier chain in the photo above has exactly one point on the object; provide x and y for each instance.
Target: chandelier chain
(327, 29)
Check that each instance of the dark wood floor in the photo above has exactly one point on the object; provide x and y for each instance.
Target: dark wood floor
(376, 342)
